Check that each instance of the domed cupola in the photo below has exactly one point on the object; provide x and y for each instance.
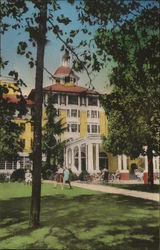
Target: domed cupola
(64, 74)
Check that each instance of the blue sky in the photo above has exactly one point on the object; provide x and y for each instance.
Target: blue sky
(53, 55)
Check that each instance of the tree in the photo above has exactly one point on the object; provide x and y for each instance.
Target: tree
(37, 26)
(52, 146)
(133, 106)
(10, 131)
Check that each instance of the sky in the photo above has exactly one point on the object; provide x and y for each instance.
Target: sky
(53, 55)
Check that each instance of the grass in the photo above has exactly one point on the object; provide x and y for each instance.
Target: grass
(77, 219)
(137, 187)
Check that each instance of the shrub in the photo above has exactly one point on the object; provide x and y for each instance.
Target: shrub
(18, 175)
(73, 176)
(2, 177)
(84, 176)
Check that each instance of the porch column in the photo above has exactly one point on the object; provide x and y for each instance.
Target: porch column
(119, 162)
(72, 158)
(90, 157)
(155, 166)
(79, 159)
(97, 157)
(66, 158)
(145, 170)
(124, 173)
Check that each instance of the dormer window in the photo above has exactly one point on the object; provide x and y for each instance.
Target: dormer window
(73, 99)
(67, 79)
(63, 99)
(57, 80)
(55, 99)
(92, 101)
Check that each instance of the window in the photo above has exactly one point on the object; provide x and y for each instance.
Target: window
(78, 128)
(68, 113)
(88, 113)
(92, 101)
(55, 98)
(63, 99)
(88, 128)
(68, 127)
(94, 114)
(94, 128)
(58, 80)
(83, 101)
(73, 127)
(73, 113)
(67, 79)
(73, 99)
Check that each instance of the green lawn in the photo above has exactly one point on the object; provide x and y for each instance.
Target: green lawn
(77, 219)
(137, 187)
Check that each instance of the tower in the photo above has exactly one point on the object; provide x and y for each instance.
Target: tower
(64, 74)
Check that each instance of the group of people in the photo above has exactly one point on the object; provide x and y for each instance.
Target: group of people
(62, 177)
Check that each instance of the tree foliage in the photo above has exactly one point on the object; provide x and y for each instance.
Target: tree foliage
(133, 108)
(52, 147)
(10, 131)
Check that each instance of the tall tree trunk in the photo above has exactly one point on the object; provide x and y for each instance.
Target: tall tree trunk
(150, 166)
(37, 153)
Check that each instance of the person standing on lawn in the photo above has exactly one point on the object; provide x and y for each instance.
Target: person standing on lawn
(59, 175)
(66, 178)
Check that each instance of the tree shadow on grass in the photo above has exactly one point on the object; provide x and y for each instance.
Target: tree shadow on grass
(101, 221)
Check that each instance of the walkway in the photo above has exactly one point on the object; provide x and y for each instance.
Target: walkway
(115, 190)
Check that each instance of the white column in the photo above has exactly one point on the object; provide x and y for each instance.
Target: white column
(90, 157)
(72, 158)
(154, 164)
(79, 159)
(119, 162)
(157, 163)
(124, 157)
(146, 163)
(66, 158)
(97, 157)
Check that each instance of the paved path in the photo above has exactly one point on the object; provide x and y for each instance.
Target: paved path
(122, 191)
(115, 190)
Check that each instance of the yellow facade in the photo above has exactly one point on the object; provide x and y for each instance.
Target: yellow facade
(103, 124)
(83, 124)
(27, 134)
